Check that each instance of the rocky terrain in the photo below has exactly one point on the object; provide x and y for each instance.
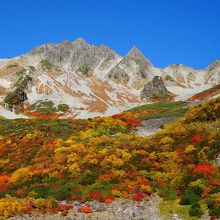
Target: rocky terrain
(117, 210)
(155, 89)
(94, 80)
(151, 126)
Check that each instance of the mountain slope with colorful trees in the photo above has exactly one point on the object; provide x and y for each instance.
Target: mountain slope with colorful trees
(43, 161)
(207, 94)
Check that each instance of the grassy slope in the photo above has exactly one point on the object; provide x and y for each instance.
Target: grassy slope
(60, 128)
(162, 109)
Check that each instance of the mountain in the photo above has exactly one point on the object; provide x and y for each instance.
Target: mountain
(73, 56)
(92, 80)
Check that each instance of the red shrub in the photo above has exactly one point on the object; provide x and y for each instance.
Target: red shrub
(65, 207)
(59, 175)
(203, 168)
(206, 191)
(4, 183)
(51, 142)
(82, 200)
(118, 116)
(108, 199)
(20, 192)
(133, 122)
(43, 115)
(213, 217)
(96, 195)
(118, 188)
(196, 139)
(4, 179)
(50, 132)
(138, 196)
(86, 209)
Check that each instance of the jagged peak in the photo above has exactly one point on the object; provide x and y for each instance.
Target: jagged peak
(80, 40)
(135, 50)
(137, 54)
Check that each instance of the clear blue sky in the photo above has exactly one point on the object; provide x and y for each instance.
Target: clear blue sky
(166, 31)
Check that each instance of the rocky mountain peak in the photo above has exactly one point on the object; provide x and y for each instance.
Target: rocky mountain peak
(137, 55)
(73, 55)
(134, 50)
(80, 40)
(96, 77)
(132, 66)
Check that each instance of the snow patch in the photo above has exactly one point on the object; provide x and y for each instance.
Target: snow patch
(5, 83)
(10, 115)
(185, 93)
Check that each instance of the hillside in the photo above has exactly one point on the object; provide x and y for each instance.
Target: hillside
(207, 94)
(102, 159)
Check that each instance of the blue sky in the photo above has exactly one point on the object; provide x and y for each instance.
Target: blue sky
(166, 31)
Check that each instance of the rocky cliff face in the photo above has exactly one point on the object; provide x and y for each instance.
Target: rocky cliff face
(75, 55)
(132, 67)
(95, 80)
(154, 89)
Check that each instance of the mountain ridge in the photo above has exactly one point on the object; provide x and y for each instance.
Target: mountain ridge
(96, 80)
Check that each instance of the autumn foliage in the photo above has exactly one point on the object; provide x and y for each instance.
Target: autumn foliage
(203, 168)
(104, 159)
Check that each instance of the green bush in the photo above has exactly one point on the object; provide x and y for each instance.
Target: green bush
(195, 210)
(32, 68)
(46, 64)
(189, 197)
(213, 202)
(21, 84)
(59, 193)
(84, 70)
(21, 72)
(10, 97)
(62, 107)
(41, 191)
(88, 178)
(169, 194)
(44, 107)
(169, 78)
(214, 211)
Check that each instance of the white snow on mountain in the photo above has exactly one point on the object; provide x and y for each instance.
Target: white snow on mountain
(10, 115)
(95, 80)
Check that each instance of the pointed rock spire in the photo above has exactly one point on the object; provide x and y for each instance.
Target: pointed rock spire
(154, 89)
(136, 54)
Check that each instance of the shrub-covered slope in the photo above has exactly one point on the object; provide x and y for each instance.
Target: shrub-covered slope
(101, 158)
